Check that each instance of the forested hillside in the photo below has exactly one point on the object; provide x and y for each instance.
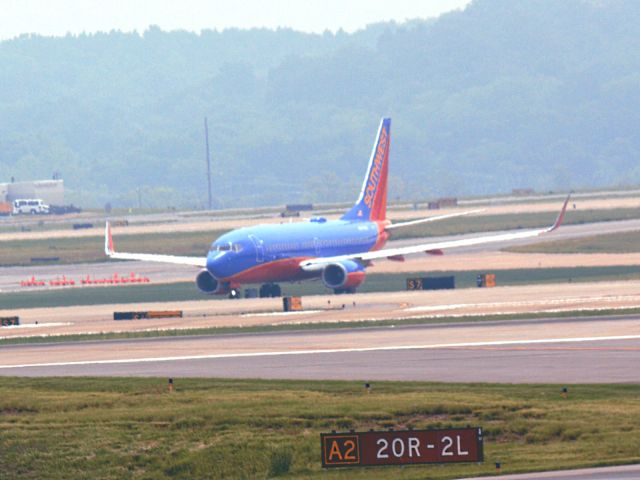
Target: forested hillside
(505, 94)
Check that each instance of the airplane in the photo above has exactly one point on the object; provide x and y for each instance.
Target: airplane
(337, 252)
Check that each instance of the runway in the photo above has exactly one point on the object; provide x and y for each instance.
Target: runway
(563, 351)
(630, 472)
(10, 277)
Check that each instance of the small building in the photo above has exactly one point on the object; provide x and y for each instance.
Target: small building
(447, 202)
(51, 191)
(522, 192)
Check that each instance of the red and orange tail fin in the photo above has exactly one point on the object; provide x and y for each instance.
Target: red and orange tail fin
(372, 202)
(108, 240)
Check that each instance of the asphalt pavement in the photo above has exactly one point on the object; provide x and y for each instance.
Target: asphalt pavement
(605, 350)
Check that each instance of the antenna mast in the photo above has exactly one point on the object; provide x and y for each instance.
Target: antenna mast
(206, 140)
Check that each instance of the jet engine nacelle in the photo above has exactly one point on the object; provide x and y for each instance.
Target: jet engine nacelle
(342, 275)
(207, 283)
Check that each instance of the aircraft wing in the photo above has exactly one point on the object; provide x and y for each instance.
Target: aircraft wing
(398, 253)
(431, 219)
(109, 250)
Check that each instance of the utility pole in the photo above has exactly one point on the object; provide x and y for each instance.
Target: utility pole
(206, 141)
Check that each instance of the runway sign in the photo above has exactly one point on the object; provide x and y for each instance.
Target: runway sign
(9, 321)
(486, 280)
(164, 314)
(431, 283)
(414, 284)
(292, 304)
(402, 447)
(149, 314)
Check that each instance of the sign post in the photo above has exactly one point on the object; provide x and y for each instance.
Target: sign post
(402, 447)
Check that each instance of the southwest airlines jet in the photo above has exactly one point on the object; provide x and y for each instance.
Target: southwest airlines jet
(338, 251)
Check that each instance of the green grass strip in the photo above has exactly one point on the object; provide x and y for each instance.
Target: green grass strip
(108, 428)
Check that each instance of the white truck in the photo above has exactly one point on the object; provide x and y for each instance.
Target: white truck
(33, 206)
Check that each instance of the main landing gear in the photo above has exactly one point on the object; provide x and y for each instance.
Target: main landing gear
(339, 291)
(270, 290)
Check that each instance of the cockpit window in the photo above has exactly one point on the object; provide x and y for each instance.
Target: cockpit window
(225, 247)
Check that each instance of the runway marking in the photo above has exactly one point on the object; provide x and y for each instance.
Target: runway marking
(322, 351)
(554, 349)
(523, 303)
(278, 314)
(34, 325)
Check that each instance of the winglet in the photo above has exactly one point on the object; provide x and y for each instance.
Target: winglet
(108, 240)
(560, 217)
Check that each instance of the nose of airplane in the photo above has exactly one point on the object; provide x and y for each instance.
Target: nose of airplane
(215, 262)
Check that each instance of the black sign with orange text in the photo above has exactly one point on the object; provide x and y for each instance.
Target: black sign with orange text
(401, 447)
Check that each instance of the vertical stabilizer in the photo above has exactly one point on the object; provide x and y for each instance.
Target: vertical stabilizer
(372, 202)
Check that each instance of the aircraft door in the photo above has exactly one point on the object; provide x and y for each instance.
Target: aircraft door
(259, 246)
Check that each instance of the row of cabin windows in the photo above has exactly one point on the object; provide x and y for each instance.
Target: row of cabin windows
(284, 246)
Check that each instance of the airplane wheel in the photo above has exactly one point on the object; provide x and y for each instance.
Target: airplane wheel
(340, 291)
(270, 290)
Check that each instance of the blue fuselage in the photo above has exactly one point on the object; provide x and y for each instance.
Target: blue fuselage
(270, 253)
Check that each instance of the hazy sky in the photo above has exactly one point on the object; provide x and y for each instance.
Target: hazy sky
(57, 17)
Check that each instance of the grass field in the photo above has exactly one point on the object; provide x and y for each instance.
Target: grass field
(60, 428)
(90, 249)
(490, 223)
(375, 282)
(627, 242)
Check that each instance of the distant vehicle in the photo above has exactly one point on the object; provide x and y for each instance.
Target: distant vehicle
(336, 251)
(33, 206)
(63, 209)
(5, 208)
